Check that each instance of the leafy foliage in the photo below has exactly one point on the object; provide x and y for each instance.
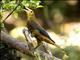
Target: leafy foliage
(1, 26)
(10, 5)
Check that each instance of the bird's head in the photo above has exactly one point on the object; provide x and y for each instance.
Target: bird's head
(30, 14)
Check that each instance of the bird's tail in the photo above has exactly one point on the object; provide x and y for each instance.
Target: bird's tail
(60, 48)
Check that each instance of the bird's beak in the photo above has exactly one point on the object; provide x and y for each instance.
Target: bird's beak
(26, 8)
(28, 12)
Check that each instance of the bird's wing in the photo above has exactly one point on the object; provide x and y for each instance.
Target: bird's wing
(43, 32)
(36, 26)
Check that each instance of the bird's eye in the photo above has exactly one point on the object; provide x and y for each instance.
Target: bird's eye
(31, 11)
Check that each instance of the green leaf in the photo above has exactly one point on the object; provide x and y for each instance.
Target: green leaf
(1, 25)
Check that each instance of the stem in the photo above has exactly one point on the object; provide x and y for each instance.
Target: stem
(13, 10)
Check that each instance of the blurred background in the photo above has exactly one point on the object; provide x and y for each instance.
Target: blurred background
(60, 18)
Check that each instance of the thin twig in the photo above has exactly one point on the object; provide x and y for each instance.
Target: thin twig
(13, 10)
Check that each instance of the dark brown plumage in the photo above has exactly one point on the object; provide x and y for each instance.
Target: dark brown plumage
(35, 28)
(40, 34)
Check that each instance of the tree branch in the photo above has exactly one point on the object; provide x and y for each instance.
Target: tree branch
(22, 47)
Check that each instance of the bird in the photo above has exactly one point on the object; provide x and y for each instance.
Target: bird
(36, 30)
